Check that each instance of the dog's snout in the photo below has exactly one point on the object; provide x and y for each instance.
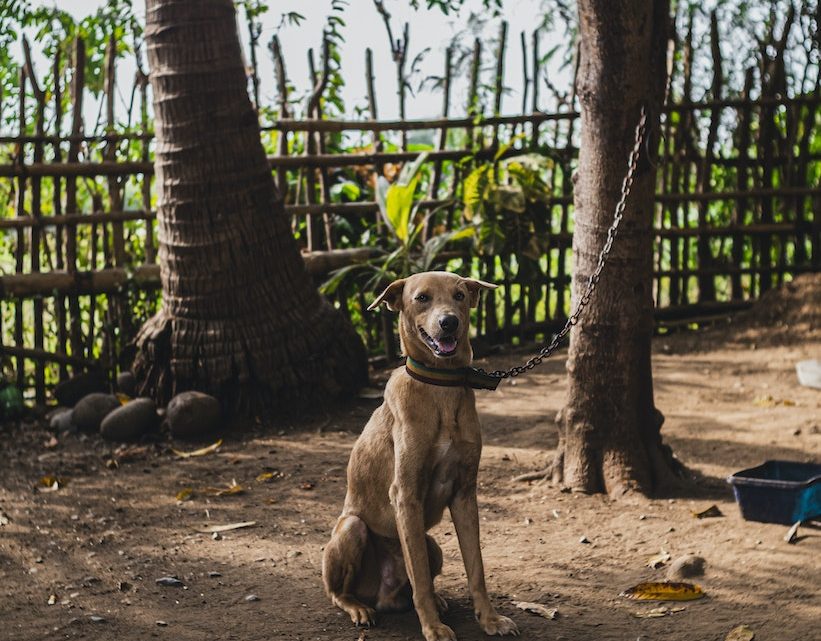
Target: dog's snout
(449, 323)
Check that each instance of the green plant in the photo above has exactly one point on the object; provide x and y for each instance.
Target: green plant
(505, 201)
(406, 252)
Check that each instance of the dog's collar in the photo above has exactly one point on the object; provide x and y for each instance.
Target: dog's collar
(455, 377)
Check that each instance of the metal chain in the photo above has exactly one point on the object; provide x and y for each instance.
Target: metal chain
(593, 279)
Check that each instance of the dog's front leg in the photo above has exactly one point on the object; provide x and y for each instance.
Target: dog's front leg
(465, 514)
(406, 498)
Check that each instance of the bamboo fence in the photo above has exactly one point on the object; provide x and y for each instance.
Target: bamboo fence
(732, 219)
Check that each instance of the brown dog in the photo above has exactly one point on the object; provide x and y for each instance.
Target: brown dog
(418, 454)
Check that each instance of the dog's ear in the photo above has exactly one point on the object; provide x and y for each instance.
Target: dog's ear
(475, 288)
(392, 296)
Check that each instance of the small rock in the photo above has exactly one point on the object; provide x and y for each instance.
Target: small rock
(170, 582)
(193, 414)
(214, 575)
(686, 567)
(127, 384)
(584, 539)
(293, 554)
(69, 392)
(124, 586)
(96, 618)
(90, 411)
(216, 536)
(252, 597)
(60, 420)
(130, 421)
(162, 624)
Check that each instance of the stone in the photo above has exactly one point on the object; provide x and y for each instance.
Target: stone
(686, 567)
(69, 392)
(127, 384)
(60, 420)
(192, 415)
(130, 421)
(90, 411)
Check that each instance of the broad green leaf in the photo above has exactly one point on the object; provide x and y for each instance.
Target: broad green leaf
(347, 189)
(382, 187)
(398, 206)
(411, 170)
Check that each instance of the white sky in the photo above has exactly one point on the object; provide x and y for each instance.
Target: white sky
(365, 28)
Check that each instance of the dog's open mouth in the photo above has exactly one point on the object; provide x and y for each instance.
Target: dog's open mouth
(442, 346)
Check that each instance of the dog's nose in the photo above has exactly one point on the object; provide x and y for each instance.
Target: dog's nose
(449, 323)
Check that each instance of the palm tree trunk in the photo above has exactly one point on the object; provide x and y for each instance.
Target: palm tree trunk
(241, 318)
(609, 427)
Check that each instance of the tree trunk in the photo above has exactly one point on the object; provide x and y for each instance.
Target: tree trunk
(241, 318)
(609, 429)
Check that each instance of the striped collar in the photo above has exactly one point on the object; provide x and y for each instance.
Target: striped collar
(455, 377)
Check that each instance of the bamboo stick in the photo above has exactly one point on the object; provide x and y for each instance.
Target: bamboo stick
(500, 72)
(57, 210)
(77, 86)
(36, 213)
(20, 249)
(473, 95)
(436, 179)
(284, 112)
(536, 66)
(706, 285)
(742, 181)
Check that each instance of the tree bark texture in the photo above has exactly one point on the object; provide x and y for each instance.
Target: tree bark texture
(241, 318)
(609, 429)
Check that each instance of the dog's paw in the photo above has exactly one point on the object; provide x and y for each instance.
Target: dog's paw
(438, 632)
(496, 624)
(441, 603)
(362, 615)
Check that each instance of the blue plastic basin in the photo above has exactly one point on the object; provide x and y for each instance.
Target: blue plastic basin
(778, 492)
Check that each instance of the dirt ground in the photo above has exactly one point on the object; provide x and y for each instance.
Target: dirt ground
(95, 547)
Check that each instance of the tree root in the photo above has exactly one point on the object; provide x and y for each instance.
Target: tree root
(552, 472)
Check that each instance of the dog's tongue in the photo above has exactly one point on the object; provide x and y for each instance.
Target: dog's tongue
(447, 344)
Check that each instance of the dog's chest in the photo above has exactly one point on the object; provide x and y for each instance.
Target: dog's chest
(446, 457)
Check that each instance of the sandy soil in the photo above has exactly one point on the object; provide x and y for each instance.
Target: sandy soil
(97, 545)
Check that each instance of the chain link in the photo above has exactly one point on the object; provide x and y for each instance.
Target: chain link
(593, 279)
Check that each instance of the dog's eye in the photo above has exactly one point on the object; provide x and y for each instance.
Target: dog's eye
(422, 298)
(459, 296)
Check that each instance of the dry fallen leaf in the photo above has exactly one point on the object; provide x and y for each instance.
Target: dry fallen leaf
(740, 633)
(233, 488)
(51, 483)
(185, 494)
(537, 608)
(123, 398)
(267, 477)
(710, 512)
(769, 401)
(664, 591)
(212, 529)
(200, 452)
(660, 559)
